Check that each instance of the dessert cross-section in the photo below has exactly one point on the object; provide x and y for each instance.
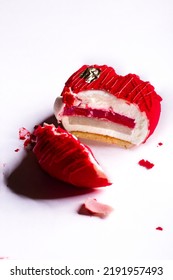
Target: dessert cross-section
(99, 104)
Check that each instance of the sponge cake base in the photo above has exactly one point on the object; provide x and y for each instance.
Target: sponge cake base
(103, 138)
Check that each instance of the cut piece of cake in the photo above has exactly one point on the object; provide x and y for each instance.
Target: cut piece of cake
(63, 157)
(98, 104)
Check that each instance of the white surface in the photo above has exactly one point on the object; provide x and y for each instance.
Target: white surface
(42, 43)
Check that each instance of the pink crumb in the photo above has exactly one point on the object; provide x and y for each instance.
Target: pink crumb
(159, 228)
(145, 163)
(16, 150)
(93, 207)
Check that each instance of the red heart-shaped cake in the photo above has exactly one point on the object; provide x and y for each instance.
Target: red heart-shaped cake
(99, 104)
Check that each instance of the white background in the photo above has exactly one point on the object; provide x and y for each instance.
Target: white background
(41, 44)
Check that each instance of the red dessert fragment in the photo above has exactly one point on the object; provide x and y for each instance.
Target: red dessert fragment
(146, 164)
(23, 133)
(62, 156)
(16, 150)
(159, 228)
(30, 142)
(160, 144)
(93, 207)
(28, 137)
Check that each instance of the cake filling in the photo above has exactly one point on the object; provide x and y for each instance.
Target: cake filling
(95, 124)
(99, 114)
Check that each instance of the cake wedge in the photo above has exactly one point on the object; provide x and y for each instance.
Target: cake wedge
(65, 158)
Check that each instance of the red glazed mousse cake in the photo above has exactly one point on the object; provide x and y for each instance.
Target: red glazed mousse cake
(98, 104)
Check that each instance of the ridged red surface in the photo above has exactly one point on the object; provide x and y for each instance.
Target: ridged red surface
(62, 156)
(130, 88)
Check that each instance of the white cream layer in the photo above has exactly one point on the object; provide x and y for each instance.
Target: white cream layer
(96, 99)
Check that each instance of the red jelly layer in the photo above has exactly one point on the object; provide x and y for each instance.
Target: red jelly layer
(99, 114)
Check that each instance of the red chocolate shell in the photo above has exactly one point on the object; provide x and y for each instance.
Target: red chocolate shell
(62, 156)
(130, 88)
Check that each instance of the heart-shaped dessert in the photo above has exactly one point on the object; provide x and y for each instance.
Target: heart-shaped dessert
(99, 104)
(63, 157)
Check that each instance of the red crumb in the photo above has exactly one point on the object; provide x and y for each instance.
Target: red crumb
(23, 133)
(160, 144)
(92, 207)
(16, 150)
(146, 164)
(28, 137)
(159, 228)
(30, 142)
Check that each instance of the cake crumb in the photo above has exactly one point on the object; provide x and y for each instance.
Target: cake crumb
(17, 150)
(159, 228)
(92, 207)
(145, 163)
(27, 137)
(159, 144)
(23, 133)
